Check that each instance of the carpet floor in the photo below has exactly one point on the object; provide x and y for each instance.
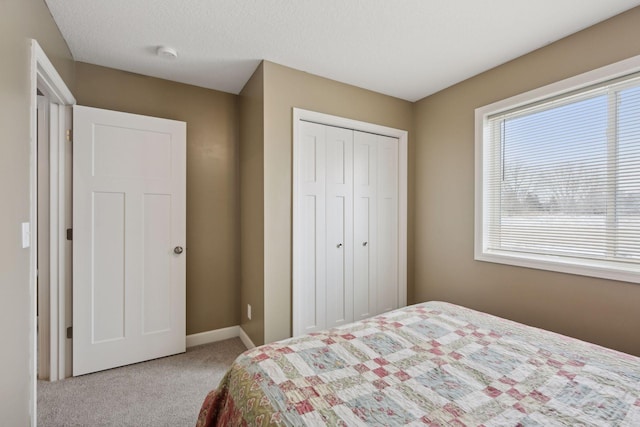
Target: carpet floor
(161, 392)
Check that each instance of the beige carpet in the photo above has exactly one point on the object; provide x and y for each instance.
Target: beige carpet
(161, 392)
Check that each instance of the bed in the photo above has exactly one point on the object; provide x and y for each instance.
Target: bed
(434, 364)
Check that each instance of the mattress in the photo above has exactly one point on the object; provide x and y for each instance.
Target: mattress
(434, 364)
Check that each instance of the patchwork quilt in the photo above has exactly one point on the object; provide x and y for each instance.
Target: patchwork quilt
(433, 364)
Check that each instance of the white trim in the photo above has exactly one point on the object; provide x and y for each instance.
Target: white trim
(44, 273)
(581, 267)
(246, 340)
(48, 80)
(42, 76)
(219, 335)
(403, 217)
(591, 268)
(64, 249)
(599, 75)
(33, 219)
(54, 305)
(403, 138)
(212, 336)
(327, 119)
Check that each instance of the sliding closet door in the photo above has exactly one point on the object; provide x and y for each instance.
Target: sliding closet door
(310, 225)
(339, 215)
(365, 193)
(387, 224)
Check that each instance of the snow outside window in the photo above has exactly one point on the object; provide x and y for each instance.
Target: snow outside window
(559, 180)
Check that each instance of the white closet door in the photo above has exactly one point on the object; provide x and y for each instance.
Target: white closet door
(345, 225)
(339, 227)
(387, 224)
(365, 190)
(310, 225)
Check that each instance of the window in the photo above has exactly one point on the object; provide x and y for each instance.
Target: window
(558, 176)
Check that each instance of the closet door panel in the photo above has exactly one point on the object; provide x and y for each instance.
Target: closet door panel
(387, 224)
(310, 298)
(339, 227)
(365, 173)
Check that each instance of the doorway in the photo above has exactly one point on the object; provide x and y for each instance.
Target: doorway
(50, 207)
(149, 171)
(53, 263)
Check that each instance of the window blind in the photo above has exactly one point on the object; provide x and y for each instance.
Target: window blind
(563, 176)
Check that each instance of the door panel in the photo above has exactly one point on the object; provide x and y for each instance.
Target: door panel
(107, 281)
(110, 142)
(336, 283)
(387, 224)
(339, 284)
(129, 192)
(156, 285)
(365, 219)
(310, 295)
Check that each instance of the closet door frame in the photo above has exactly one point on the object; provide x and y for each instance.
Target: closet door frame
(301, 115)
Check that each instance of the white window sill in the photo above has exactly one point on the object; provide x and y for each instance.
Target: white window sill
(583, 267)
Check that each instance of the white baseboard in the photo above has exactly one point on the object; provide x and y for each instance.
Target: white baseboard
(213, 336)
(219, 335)
(245, 339)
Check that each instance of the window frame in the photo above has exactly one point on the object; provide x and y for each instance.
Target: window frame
(580, 266)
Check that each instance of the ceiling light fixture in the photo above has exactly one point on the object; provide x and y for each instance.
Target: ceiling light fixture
(167, 52)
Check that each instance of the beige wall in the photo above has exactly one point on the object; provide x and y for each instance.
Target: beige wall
(597, 310)
(213, 293)
(285, 88)
(252, 206)
(19, 21)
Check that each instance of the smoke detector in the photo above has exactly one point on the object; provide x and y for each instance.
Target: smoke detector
(167, 52)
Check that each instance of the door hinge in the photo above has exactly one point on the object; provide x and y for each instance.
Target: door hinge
(70, 332)
(69, 135)
(69, 233)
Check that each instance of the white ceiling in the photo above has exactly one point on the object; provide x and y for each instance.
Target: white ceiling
(405, 48)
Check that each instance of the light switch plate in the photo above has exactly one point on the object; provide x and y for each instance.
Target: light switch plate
(26, 234)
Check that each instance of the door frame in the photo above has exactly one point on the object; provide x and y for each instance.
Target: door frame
(42, 282)
(301, 115)
(44, 77)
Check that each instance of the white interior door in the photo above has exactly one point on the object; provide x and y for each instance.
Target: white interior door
(129, 184)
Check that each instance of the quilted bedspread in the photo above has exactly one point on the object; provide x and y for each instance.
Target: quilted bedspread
(433, 363)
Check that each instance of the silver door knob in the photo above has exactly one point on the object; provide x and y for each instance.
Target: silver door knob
(178, 250)
(339, 245)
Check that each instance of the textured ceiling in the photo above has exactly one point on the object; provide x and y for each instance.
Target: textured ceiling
(405, 48)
